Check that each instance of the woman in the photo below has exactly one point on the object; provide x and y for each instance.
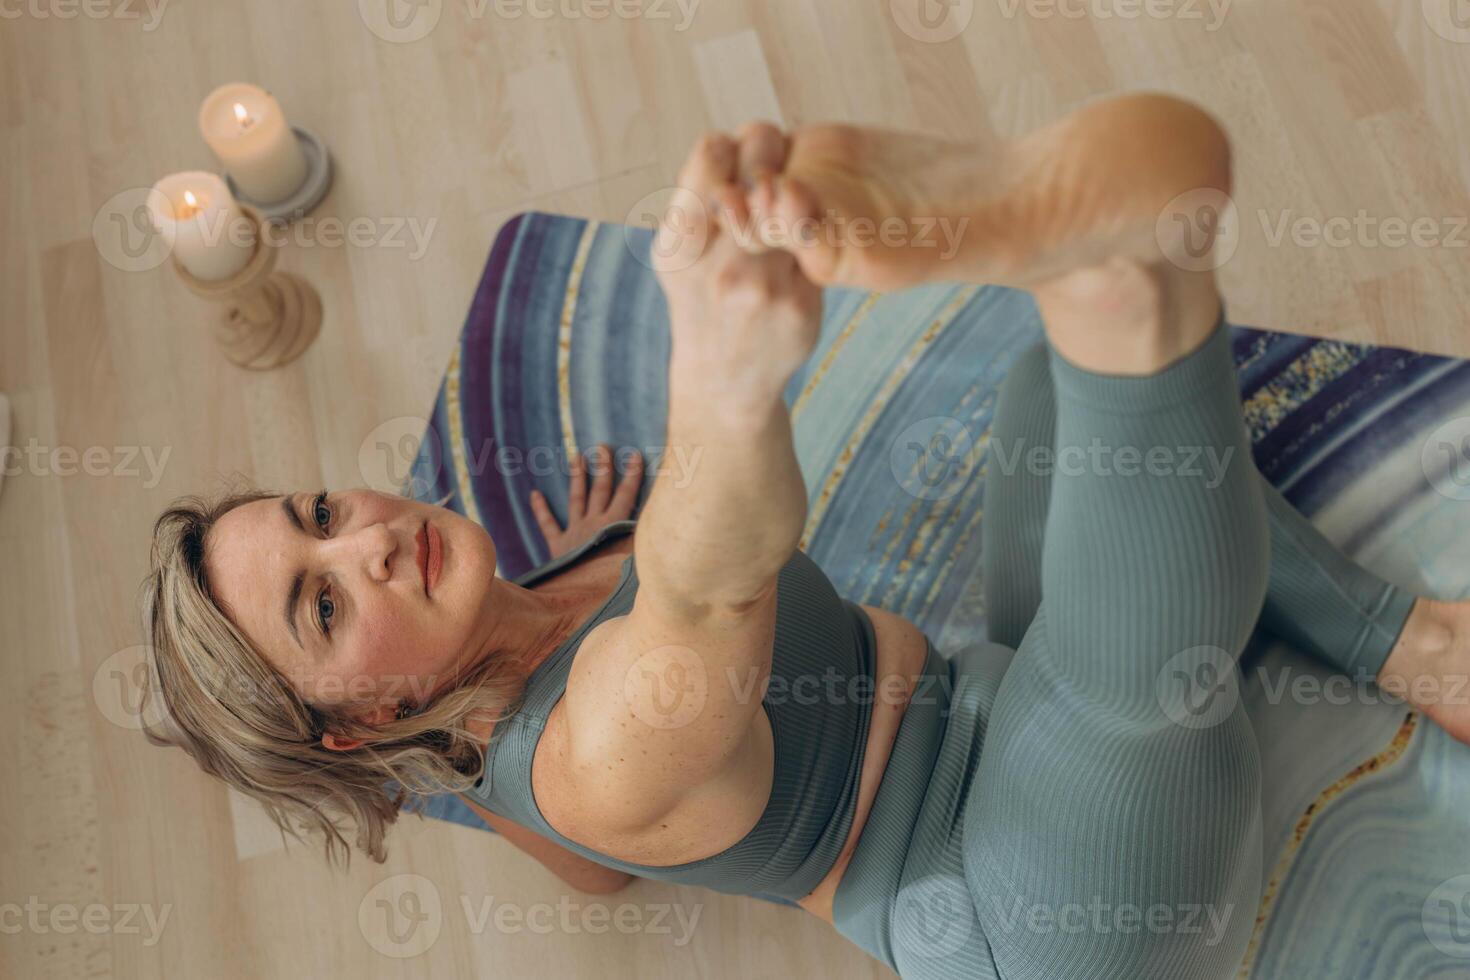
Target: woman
(308, 647)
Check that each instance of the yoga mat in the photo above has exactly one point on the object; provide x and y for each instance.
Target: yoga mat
(1367, 805)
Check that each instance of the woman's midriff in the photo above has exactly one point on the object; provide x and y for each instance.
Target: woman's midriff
(900, 657)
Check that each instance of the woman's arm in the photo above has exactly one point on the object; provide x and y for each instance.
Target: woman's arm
(663, 705)
(577, 871)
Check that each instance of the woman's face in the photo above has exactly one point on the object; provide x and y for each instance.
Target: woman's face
(332, 591)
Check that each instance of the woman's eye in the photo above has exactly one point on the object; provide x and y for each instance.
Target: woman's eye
(320, 512)
(325, 610)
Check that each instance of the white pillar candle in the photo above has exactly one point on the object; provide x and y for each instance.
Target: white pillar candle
(244, 126)
(200, 220)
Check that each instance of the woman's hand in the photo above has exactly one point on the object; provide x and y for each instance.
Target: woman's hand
(742, 322)
(589, 513)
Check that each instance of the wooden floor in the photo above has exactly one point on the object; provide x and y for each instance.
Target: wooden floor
(1353, 110)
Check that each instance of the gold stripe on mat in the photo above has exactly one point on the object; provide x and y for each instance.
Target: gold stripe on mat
(456, 438)
(843, 336)
(865, 425)
(1390, 754)
(564, 339)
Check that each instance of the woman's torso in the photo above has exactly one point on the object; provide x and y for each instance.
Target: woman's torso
(900, 651)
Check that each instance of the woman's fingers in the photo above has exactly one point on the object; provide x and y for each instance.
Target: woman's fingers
(763, 149)
(626, 498)
(602, 480)
(577, 488)
(545, 519)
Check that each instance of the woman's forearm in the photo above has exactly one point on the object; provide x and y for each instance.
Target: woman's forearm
(721, 536)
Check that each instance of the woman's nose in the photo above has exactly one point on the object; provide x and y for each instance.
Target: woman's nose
(373, 548)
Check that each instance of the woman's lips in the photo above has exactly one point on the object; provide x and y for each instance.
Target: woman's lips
(421, 554)
(433, 559)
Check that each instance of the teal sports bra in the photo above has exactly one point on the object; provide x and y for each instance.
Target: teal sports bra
(819, 703)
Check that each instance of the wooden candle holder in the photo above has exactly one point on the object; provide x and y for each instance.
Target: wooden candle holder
(269, 318)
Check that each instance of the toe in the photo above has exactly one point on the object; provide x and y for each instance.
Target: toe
(798, 217)
(710, 165)
(763, 148)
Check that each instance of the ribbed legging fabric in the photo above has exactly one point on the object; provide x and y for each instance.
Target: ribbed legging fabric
(1083, 801)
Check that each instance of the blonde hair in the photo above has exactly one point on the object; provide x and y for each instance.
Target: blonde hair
(213, 695)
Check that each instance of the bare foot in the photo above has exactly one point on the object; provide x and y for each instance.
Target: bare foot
(1429, 666)
(1071, 212)
(882, 209)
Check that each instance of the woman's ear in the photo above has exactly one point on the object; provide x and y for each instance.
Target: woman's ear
(375, 718)
(339, 743)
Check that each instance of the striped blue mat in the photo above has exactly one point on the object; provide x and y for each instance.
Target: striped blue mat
(1367, 807)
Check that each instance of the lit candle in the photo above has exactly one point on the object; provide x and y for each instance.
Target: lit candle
(244, 126)
(210, 236)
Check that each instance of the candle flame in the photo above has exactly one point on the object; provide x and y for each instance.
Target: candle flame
(190, 199)
(242, 116)
(191, 205)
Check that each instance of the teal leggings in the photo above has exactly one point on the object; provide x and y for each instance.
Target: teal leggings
(1093, 805)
